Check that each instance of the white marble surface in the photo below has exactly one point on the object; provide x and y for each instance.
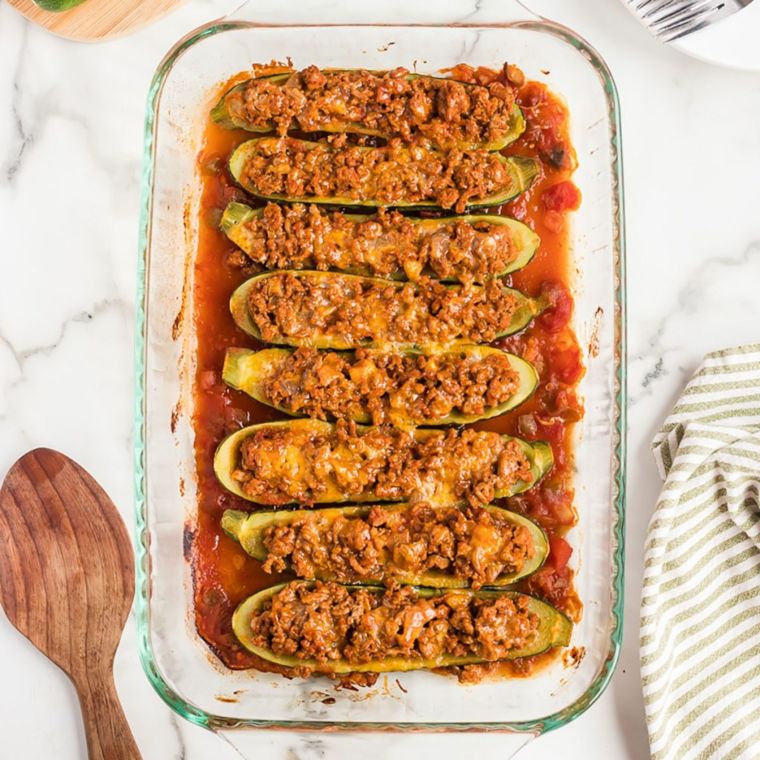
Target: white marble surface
(70, 144)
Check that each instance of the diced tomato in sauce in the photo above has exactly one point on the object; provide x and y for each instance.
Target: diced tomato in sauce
(564, 196)
(557, 315)
(559, 552)
(556, 587)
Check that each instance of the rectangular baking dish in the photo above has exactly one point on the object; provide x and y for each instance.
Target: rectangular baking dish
(177, 662)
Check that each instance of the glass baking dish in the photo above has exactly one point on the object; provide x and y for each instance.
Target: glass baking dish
(442, 34)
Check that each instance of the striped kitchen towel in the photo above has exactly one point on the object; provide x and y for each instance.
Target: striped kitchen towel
(700, 605)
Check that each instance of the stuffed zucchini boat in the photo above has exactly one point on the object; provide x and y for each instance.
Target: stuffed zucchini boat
(406, 387)
(344, 311)
(409, 177)
(315, 462)
(470, 248)
(449, 113)
(409, 544)
(333, 628)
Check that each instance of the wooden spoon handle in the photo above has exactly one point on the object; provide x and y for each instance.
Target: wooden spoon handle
(108, 734)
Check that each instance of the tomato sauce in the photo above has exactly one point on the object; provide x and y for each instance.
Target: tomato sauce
(223, 573)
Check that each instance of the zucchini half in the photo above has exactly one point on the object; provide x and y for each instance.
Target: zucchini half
(528, 308)
(248, 529)
(227, 457)
(555, 630)
(247, 371)
(237, 216)
(222, 114)
(521, 170)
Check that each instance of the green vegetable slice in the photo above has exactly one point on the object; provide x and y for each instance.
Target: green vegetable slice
(521, 170)
(223, 114)
(555, 630)
(237, 216)
(528, 308)
(248, 530)
(56, 6)
(248, 371)
(227, 459)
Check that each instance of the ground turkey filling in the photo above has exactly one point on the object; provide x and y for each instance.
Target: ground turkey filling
(351, 311)
(447, 112)
(330, 622)
(284, 464)
(475, 545)
(388, 243)
(380, 386)
(392, 174)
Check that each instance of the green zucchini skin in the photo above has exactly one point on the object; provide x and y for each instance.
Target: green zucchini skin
(555, 630)
(527, 310)
(56, 6)
(248, 529)
(227, 456)
(237, 215)
(247, 371)
(221, 114)
(522, 170)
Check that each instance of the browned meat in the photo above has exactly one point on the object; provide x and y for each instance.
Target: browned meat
(445, 111)
(390, 386)
(473, 544)
(310, 237)
(288, 308)
(393, 174)
(330, 622)
(282, 465)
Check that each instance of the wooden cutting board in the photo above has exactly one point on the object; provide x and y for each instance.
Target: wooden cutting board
(96, 20)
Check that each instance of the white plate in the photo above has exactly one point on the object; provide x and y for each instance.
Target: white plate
(733, 42)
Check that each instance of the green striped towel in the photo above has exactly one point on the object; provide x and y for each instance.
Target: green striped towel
(700, 605)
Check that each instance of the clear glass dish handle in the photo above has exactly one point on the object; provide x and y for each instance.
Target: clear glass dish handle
(392, 12)
(369, 745)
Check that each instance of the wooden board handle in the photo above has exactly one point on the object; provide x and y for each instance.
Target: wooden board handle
(108, 734)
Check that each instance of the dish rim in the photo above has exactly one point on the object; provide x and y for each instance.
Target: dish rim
(210, 721)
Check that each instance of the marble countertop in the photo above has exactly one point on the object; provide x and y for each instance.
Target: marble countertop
(70, 152)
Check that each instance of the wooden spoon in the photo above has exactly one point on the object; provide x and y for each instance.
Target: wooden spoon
(66, 583)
